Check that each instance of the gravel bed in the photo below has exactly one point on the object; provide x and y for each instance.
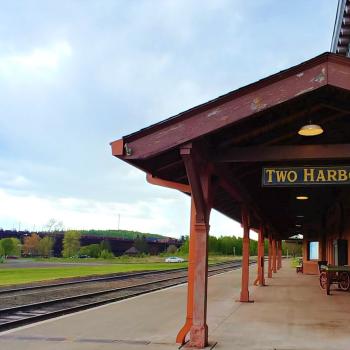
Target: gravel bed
(35, 296)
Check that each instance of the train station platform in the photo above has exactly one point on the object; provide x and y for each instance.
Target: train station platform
(291, 313)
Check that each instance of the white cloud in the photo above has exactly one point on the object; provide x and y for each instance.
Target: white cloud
(38, 63)
(167, 216)
(13, 180)
(78, 213)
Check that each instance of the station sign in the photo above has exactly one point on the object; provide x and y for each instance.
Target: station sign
(305, 176)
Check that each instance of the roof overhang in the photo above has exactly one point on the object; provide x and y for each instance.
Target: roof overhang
(326, 69)
(265, 114)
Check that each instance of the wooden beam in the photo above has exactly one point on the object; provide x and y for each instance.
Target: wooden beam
(168, 184)
(284, 153)
(193, 175)
(276, 123)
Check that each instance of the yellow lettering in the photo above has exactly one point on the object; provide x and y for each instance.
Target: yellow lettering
(309, 175)
(292, 176)
(269, 174)
(331, 175)
(320, 176)
(281, 175)
(342, 175)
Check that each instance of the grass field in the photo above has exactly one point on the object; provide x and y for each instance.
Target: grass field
(26, 275)
(36, 274)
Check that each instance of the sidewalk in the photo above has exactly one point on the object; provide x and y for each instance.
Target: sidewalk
(292, 313)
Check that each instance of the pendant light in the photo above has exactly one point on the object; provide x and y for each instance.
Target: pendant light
(310, 129)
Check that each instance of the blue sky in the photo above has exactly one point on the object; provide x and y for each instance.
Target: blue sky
(75, 75)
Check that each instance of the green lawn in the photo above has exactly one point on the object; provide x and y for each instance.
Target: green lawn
(26, 275)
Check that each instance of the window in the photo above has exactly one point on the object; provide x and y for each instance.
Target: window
(313, 251)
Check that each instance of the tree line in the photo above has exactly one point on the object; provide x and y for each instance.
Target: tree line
(34, 246)
(231, 245)
(224, 245)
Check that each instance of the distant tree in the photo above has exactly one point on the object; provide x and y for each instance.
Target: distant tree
(141, 244)
(105, 245)
(45, 246)
(294, 249)
(172, 249)
(71, 243)
(92, 250)
(9, 246)
(31, 244)
(253, 247)
(17, 246)
(2, 251)
(54, 225)
(185, 246)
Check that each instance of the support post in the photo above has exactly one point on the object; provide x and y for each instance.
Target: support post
(269, 269)
(261, 247)
(279, 254)
(274, 256)
(260, 280)
(201, 192)
(181, 336)
(199, 329)
(245, 258)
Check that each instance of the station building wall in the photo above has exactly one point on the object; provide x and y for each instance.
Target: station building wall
(336, 226)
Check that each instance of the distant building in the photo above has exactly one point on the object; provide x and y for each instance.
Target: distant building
(132, 251)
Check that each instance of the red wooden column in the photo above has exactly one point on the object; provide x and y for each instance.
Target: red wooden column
(261, 262)
(200, 181)
(260, 280)
(181, 336)
(199, 329)
(279, 254)
(269, 269)
(245, 258)
(274, 256)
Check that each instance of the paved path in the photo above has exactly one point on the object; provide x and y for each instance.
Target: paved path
(292, 313)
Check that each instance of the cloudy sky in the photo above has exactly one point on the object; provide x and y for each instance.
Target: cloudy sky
(75, 75)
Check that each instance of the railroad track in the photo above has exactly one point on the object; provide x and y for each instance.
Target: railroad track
(24, 314)
(11, 291)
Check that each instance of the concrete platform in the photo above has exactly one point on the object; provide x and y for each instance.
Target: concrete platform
(292, 313)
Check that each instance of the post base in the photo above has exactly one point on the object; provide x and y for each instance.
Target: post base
(198, 337)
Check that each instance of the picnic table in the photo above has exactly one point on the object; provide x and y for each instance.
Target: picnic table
(332, 274)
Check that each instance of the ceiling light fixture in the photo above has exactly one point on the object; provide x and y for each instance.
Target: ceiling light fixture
(302, 198)
(310, 130)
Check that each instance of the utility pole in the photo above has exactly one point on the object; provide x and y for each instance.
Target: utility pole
(234, 251)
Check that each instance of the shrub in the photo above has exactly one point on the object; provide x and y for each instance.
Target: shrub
(105, 254)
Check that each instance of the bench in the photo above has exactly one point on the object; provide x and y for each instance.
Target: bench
(299, 267)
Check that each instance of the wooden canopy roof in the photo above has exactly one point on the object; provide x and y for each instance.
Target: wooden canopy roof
(253, 126)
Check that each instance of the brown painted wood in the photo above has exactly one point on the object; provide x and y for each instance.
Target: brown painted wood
(193, 175)
(260, 96)
(284, 153)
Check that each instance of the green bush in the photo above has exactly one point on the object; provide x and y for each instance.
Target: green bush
(105, 254)
(92, 250)
(10, 246)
